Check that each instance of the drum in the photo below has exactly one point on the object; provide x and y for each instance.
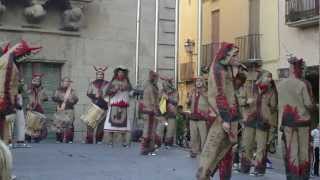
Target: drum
(93, 116)
(11, 118)
(35, 122)
(62, 119)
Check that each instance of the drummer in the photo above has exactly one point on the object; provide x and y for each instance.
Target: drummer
(96, 94)
(66, 98)
(36, 96)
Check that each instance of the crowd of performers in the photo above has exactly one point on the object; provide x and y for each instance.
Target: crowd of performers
(232, 113)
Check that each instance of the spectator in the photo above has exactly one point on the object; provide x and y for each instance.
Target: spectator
(316, 146)
(180, 120)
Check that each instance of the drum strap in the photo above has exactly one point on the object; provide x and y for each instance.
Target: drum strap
(65, 98)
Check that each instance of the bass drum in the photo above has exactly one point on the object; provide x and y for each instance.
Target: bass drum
(35, 122)
(93, 116)
(63, 119)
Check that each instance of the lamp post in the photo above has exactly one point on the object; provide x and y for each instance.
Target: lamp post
(189, 46)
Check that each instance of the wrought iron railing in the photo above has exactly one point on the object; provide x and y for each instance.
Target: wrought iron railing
(249, 46)
(209, 52)
(297, 10)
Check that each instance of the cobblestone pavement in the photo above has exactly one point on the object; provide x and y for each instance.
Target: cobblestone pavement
(99, 162)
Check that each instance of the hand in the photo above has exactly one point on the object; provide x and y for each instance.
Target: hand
(226, 126)
(212, 114)
(165, 96)
(250, 100)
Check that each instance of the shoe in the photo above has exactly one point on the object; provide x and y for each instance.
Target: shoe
(256, 174)
(144, 153)
(13, 177)
(269, 166)
(236, 167)
(70, 142)
(110, 145)
(193, 155)
(99, 142)
(152, 154)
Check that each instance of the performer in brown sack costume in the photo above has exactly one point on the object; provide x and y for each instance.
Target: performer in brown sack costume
(96, 92)
(36, 97)
(295, 104)
(222, 135)
(149, 107)
(201, 113)
(66, 104)
(258, 120)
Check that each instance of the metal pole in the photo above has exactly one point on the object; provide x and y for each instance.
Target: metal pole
(137, 60)
(156, 38)
(176, 58)
(137, 43)
(199, 36)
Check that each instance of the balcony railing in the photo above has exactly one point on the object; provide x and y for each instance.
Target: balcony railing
(249, 47)
(187, 71)
(302, 13)
(209, 52)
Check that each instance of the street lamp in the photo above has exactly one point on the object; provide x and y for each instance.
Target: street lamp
(189, 46)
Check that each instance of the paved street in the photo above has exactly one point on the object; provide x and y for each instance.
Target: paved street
(96, 162)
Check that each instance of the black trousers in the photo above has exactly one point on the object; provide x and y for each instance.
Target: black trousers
(316, 161)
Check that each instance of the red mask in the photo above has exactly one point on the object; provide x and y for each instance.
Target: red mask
(120, 77)
(263, 87)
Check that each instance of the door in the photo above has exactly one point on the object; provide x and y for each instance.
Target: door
(50, 80)
(215, 34)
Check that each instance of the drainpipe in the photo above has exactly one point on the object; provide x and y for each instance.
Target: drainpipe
(137, 42)
(176, 58)
(156, 38)
(199, 36)
(137, 60)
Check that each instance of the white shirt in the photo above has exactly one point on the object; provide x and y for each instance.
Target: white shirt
(316, 137)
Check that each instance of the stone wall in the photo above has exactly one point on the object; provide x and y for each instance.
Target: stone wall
(107, 37)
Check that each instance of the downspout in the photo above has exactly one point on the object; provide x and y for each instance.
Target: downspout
(176, 58)
(156, 38)
(199, 36)
(137, 62)
(137, 59)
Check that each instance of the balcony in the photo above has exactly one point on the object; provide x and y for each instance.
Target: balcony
(209, 52)
(302, 13)
(249, 47)
(187, 71)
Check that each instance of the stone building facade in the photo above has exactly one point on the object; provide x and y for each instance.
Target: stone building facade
(105, 35)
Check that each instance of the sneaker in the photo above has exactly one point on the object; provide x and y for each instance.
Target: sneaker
(110, 145)
(125, 145)
(152, 154)
(99, 142)
(13, 177)
(236, 167)
(256, 174)
(269, 166)
(193, 155)
(70, 142)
